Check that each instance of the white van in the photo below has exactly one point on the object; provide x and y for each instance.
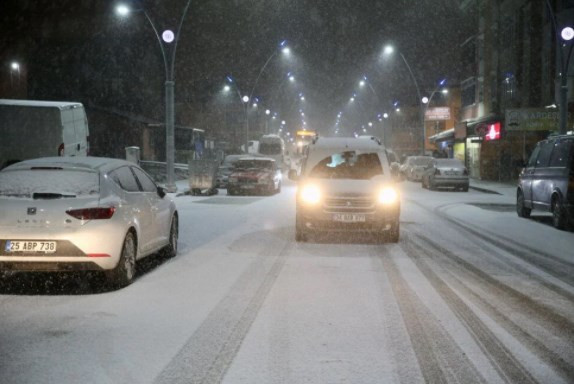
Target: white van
(347, 185)
(31, 129)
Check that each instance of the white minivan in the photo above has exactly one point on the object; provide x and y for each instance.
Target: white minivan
(30, 129)
(347, 185)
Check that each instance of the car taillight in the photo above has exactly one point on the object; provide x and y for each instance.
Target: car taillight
(437, 172)
(465, 172)
(92, 213)
(61, 149)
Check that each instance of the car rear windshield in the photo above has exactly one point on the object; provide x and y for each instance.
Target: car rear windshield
(348, 165)
(253, 164)
(422, 160)
(449, 163)
(48, 183)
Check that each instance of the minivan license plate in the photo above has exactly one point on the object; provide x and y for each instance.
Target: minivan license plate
(349, 218)
(30, 246)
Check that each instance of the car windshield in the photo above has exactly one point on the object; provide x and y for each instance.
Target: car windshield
(270, 148)
(253, 164)
(57, 183)
(348, 165)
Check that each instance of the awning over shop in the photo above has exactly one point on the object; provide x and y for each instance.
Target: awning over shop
(442, 136)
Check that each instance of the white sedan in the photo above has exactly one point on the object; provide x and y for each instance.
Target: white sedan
(83, 214)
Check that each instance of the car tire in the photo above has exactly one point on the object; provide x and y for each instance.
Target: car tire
(431, 185)
(559, 216)
(300, 235)
(393, 234)
(170, 250)
(521, 209)
(465, 188)
(230, 191)
(124, 272)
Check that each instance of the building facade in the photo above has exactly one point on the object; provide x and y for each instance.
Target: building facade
(509, 98)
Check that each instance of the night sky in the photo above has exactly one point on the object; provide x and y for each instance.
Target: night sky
(333, 42)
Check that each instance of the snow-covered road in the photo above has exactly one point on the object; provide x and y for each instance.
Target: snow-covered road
(471, 293)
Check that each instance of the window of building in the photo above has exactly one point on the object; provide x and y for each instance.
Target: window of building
(468, 92)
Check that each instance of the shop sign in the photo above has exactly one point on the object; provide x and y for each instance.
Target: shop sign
(493, 132)
(532, 119)
(437, 113)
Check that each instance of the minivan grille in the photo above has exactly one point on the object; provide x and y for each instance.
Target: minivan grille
(363, 204)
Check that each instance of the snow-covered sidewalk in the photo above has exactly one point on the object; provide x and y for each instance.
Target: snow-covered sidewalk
(507, 188)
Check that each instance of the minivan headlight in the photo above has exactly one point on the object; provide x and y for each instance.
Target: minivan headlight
(310, 194)
(388, 196)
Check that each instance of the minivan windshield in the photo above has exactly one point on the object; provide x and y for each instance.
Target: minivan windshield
(348, 165)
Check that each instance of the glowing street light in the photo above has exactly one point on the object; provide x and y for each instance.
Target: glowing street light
(388, 50)
(425, 100)
(226, 88)
(567, 33)
(122, 10)
(245, 99)
(267, 112)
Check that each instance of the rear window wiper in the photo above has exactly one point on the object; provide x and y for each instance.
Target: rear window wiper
(49, 195)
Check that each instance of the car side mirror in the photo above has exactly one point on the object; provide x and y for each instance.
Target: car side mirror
(161, 192)
(293, 175)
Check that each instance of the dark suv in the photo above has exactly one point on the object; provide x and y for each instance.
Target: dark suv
(547, 181)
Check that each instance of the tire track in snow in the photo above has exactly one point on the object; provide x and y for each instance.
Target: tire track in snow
(560, 327)
(507, 366)
(550, 264)
(209, 352)
(439, 357)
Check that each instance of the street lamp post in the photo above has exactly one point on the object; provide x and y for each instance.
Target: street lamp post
(167, 37)
(567, 34)
(388, 50)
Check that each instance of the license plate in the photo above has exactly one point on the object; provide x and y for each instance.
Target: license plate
(349, 218)
(30, 246)
(450, 173)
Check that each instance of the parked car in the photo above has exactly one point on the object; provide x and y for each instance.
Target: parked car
(30, 129)
(83, 214)
(413, 167)
(226, 168)
(346, 185)
(449, 173)
(547, 181)
(255, 175)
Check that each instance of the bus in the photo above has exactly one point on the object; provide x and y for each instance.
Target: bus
(303, 138)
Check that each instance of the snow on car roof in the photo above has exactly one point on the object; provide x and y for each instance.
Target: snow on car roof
(258, 158)
(96, 163)
(38, 103)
